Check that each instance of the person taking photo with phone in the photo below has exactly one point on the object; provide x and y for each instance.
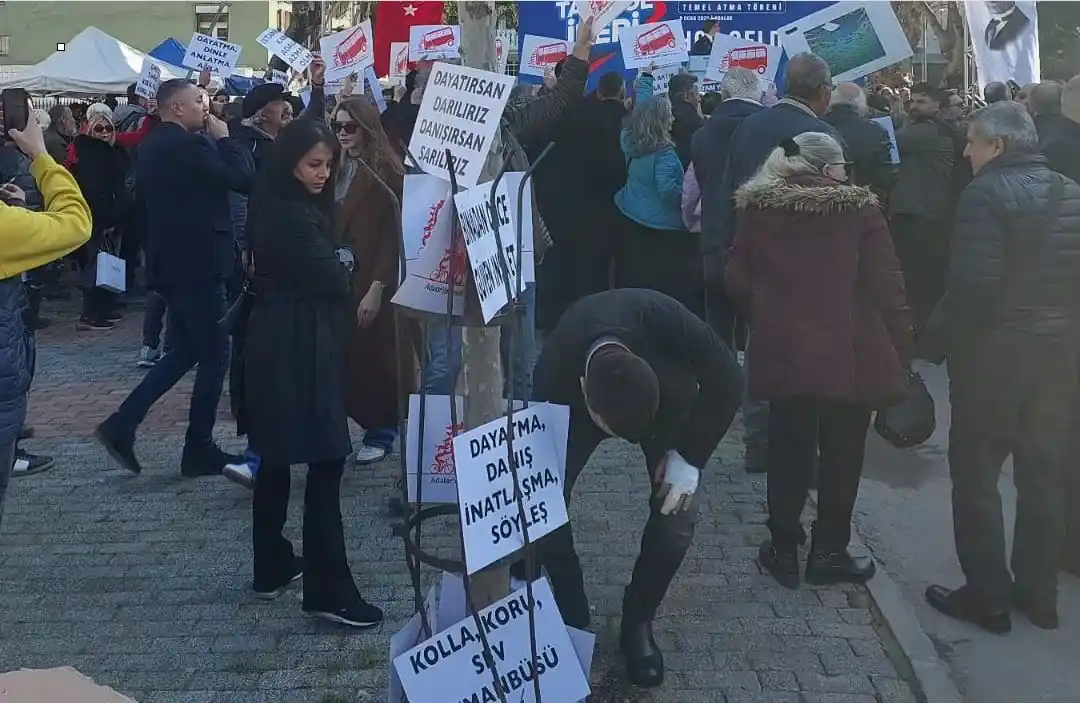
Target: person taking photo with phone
(28, 240)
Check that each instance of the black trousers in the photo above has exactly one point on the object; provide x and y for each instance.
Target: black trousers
(1072, 493)
(798, 426)
(1025, 413)
(153, 320)
(922, 245)
(97, 303)
(668, 261)
(664, 542)
(328, 582)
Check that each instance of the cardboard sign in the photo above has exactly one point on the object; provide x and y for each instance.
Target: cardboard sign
(348, 51)
(659, 44)
(525, 218)
(894, 149)
(494, 270)
(662, 77)
(279, 77)
(730, 52)
(434, 41)
(450, 666)
(602, 12)
(491, 526)
(286, 49)
(539, 54)
(399, 62)
(427, 222)
(149, 79)
(461, 110)
(211, 54)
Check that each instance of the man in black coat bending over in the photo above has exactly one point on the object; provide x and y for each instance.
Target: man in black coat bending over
(636, 364)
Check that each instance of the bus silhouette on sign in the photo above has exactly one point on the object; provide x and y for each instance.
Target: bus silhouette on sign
(549, 54)
(755, 58)
(353, 45)
(654, 40)
(443, 37)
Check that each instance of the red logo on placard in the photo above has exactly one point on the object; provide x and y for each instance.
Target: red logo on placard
(444, 453)
(437, 38)
(441, 274)
(654, 40)
(755, 58)
(549, 54)
(433, 219)
(352, 46)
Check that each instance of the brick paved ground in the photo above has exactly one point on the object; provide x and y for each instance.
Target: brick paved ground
(140, 581)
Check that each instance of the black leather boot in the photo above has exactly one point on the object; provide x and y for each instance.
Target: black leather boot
(782, 563)
(644, 660)
(965, 603)
(825, 568)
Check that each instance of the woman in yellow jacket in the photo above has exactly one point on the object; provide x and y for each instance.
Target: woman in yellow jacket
(28, 240)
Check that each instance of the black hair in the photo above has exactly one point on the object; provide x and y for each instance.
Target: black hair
(132, 96)
(933, 92)
(623, 390)
(995, 92)
(709, 101)
(611, 85)
(168, 90)
(56, 113)
(707, 25)
(111, 102)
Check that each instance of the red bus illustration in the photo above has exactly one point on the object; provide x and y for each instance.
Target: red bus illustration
(438, 38)
(354, 44)
(401, 62)
(549, 54)
(654, 40)
(755, 58)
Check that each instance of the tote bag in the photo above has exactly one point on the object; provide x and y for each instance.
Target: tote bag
(111, 272)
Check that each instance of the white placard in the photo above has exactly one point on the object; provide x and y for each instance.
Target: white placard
(434, 41)
(372, 83)
(149, 79)
(278, 44)
(210, 54)
(279, 77)
(854, 38)
(348, 51)
(494, 271)
(887, 124)
(438, 480)
(461, 110)
(491, 526)
(399, 62)
(505, 43)
(659, 44)
(602, 12)
(427, 223)
(450, 666)
(525, 218)
(730, 52)
(539, 54)
(662, 77)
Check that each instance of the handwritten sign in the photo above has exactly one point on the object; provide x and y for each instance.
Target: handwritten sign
(399, 62)
(731, 52)
(540, 54)
(284, 48)
(434, 41)
(450, 666)
(149, 79)
(659, 44)
(211, 54)
(461, 110)
(602, 12)
(493, 269)
(491, 524)
(348, 51)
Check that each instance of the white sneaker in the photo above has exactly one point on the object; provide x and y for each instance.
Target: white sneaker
(239, 473)
(369, 455)
(148, 358)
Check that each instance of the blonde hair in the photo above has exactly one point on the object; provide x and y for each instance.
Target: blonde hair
(815, 151)
(98, 111)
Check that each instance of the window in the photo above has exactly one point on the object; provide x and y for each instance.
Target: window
(5, 44)
(204, 21)
(284, 20)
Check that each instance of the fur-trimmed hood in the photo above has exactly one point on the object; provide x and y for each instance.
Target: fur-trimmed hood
(812, 195)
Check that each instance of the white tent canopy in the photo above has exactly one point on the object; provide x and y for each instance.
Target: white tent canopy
(93, 63)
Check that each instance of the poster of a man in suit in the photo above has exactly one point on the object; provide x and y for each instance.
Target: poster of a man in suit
(1006, 25)
(1005, 40)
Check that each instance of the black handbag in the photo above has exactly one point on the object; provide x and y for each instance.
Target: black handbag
(910, 422)
(236, 317)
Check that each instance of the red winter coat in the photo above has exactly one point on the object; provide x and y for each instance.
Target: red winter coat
(814, 268)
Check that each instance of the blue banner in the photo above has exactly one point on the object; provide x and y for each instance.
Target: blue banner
(757, 21)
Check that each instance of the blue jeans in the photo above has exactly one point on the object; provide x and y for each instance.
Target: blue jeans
(196, 338)
(444, 354)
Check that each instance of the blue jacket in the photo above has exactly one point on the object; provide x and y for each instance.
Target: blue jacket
(652, 195)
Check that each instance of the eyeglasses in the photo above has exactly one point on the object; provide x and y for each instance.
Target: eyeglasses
(103, 129)
(349, 128)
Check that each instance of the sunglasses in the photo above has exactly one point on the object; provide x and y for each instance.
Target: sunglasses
(349, 128)
(103, 129)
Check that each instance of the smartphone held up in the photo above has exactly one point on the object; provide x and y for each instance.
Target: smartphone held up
(14, 109)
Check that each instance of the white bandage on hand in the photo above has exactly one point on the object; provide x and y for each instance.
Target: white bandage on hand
(678, 484)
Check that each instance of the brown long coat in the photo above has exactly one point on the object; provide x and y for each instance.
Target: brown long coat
(380, 373)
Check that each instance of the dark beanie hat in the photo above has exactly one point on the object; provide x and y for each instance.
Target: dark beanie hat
(262, 95)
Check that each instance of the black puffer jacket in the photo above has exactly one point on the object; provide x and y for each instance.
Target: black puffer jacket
(1015, 272)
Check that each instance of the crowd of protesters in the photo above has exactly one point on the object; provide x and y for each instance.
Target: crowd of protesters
(786, 228)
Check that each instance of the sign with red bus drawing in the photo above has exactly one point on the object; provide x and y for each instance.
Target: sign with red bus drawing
(399, 62)
(659, 44)
(755, 58)
(434, 41)
(732, 52)
(348, 51)
(538, 54)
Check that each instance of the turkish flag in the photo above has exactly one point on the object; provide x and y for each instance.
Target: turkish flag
(392, 22)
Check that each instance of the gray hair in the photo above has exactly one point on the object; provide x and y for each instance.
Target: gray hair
(1070, 99)
(741, 82)
(806, 74)
(96, 110)
(849, 94)
(1009, 122)
(43, 118)
(816, 151)
(648, 127)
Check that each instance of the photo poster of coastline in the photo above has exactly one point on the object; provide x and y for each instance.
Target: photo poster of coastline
(854, 38)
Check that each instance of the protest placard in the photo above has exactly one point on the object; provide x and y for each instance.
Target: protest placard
(461, 110)
(279, 77)
(427, 222)
(662, 77)
(149, 79)
(658, 44)
(432, 42)
(494, 270)
(211, 54)
(602, 12)
(450, 666)
(371, 83)
(525, 217)
(505, 42)
(435, 469)
(491, 524)
(894, 149)
(278, 44)
(348, 51)
(731, 52)
(399, 62)
(539, 54)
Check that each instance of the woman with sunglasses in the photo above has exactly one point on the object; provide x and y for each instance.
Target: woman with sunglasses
(365, 221)
(101, 167)
(813, 269)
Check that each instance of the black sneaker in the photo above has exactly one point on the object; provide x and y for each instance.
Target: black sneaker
(827, 568)
(969, 605)
(121, 449)
(113, 317)
(27, 463)
(781, 563)
(85, 324)
(360, 614)
(205, 461)
(270, 591)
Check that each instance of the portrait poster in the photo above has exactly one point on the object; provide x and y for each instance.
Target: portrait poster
(1005, 40)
